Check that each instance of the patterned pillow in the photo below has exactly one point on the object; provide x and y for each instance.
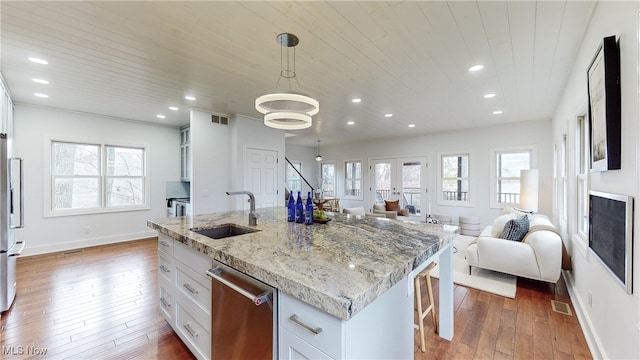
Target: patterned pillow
(516, 229)
(392, 205)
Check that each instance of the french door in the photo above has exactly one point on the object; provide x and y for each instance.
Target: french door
(403, 179)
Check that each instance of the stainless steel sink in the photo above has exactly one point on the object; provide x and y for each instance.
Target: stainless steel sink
(224, 231)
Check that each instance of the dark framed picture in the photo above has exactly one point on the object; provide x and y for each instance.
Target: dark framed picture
(603, 79)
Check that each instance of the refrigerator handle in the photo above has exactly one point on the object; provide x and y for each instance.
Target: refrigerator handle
(21, 225)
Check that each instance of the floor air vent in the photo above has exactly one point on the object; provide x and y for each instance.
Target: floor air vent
(561, 307)
(70, 252)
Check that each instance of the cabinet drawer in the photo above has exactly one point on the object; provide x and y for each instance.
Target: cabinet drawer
(197, 261)
(193, 332)
(167, 302)
(165, 244)
(328, 340)
(194, 286)
(293, 348)
(165, 267)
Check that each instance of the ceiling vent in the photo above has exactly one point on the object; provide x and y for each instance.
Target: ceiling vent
(219, 119)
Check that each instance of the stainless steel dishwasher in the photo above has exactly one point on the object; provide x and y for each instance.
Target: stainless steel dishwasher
(243, 316)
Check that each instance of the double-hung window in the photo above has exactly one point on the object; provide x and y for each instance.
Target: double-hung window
(90, 178)
(454, 179)
(506, 166)
(328, 178)
(294, 180)
(353, 179)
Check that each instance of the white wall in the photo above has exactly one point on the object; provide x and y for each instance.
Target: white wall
(478, 142)
(33, 125)
(252, 133)
(612, 320)
(211, 164)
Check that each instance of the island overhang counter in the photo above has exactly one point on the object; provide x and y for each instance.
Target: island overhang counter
(340, 267)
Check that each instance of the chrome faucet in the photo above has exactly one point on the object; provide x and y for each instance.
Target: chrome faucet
(253, 215)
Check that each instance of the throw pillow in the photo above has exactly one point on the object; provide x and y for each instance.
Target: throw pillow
(403, 212)
(392, 205)
(379, 207)
(499, 223)
(516, 229)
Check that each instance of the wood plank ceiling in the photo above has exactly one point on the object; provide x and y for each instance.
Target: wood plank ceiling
(135, 59)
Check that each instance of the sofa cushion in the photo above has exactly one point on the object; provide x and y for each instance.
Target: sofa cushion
(392, 205)
(516, 229)
(379, 207)
(499, 223)
(354, 211)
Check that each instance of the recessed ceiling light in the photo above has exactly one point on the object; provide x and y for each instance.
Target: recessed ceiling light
(489, 96)
(41, 81)
(476, 67)
(350, 122)
(388, 115)
(412, 125)
(38, 60)
(356, 100)
(190, 98)
(160, 116)
(40, 95)
(173, 108)
(497, 112)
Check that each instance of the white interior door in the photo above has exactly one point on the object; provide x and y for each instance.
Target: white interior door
(261, 176)
(403, 179)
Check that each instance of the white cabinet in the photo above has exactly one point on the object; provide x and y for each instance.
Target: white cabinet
(185, 153)
(185, 294)
(306, 332)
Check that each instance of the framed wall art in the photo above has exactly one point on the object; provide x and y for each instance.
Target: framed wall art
(603, 79)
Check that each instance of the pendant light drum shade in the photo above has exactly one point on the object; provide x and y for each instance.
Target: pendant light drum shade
(280, 101)
(287, 120)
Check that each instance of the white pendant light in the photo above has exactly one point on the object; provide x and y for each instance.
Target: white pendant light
(318, 157)
(287, 110)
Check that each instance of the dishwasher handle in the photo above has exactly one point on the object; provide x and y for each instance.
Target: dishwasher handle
(256, 299)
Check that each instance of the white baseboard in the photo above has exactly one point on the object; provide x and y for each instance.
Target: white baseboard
(78, 244)
(597, 352)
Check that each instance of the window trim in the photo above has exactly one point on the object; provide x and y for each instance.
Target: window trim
(48, 193)
(286, 179)
(335, 190)
(439, 200)
(493, 169)
(344, 168)
(582, 176)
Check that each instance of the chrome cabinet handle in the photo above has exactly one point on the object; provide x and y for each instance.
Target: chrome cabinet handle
(163, 243)
(190, 330)
(295, 319)
(164, 268)
(164, 302)
(190, 288)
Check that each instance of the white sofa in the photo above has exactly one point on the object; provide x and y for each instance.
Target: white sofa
(538, 256)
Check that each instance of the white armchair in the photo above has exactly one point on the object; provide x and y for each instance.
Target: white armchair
(538, 256)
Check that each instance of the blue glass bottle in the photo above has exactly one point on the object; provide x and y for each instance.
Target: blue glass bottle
(299, 209)
(308, 210)
(291, 209)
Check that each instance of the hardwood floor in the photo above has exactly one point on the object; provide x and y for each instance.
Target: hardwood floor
(101, 303)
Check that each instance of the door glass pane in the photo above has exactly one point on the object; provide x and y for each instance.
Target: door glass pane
(411, 187)
(382, 182)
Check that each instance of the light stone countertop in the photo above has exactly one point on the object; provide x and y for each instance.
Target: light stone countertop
(339, 267)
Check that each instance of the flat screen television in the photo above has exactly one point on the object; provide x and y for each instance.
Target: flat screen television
(611, 234)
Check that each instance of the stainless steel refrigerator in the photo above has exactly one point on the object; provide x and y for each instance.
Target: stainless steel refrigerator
(11, 217)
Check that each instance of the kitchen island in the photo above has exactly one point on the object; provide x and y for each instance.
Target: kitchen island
(358, 270)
